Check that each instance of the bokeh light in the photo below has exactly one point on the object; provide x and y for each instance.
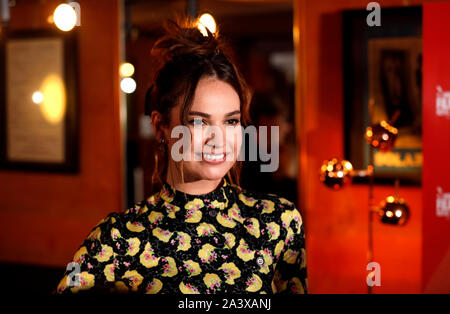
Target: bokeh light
(126, 69)
(53, 106)
(65, 17)
(37, 97)
(128, 85)
(206, 20)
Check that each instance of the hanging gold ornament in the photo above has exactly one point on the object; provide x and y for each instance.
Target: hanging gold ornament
(336, 173)
(393, 210)
(381, 136)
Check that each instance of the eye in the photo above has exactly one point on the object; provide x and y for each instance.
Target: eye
(232, 121)
(197, 121)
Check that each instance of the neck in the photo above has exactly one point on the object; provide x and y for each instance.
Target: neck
(193, 187)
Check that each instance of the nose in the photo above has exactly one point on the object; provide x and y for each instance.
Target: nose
(214, 137)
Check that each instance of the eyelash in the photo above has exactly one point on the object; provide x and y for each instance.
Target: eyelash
(195, 120)
(229, 121)
(233, 121)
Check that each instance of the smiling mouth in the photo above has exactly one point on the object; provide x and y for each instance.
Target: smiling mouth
(214, 157)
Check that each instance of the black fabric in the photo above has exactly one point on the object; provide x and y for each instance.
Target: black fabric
(226, 241)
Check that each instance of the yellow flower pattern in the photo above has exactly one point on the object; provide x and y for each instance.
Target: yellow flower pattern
(155, 217)
(79, 255)
(161, 234)
(226, 220)
(134, 279)
(135, 226)
(230, 240)
(148, 258)
(133, 246)
(171, 209)
(207, 254)
(212, 281)
(154, 286)
(192, 268)
(109, 272)
(95, 234)
(252, 227)
(184, 241)
(170, 267)
(231, 272)
(105, 253)
(188, 289)
(193, 213)
(227, 241)
(244, 252)
(268, 206)
(205, 229)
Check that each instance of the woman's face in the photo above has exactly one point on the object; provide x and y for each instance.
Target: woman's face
(215, 132)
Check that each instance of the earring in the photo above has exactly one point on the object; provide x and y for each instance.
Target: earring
(162, 145)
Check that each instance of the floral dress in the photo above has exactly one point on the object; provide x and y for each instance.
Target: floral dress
(226, 241)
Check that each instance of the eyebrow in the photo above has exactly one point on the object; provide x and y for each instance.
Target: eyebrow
(206, 115)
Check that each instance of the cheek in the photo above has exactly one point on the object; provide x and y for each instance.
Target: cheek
(234, 142)
(196, 142)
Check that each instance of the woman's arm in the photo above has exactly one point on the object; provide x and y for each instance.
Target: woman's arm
(290, 271)
(93, 265)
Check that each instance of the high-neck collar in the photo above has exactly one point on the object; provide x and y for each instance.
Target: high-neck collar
(223, 193)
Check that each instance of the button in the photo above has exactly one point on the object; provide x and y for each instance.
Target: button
(260, 261)
(213, 213)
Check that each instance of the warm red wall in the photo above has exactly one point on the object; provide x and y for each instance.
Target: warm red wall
(337, 222)
(436, 169)
(44, 217)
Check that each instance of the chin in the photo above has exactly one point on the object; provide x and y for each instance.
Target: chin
(212, 175)
(212, 172)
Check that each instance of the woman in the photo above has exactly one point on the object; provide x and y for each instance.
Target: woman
(201, 233)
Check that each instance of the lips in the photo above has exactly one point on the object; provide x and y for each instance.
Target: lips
(213, 157)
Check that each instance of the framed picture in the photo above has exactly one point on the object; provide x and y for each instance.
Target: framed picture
(38, 101)
(383, 68)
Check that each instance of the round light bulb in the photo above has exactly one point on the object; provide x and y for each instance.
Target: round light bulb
(65, 17)
(126, 69)
(37, 97)
(206, 21)
(128, 85)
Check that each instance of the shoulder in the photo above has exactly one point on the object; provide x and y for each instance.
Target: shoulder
(277, 209)
(129, 220)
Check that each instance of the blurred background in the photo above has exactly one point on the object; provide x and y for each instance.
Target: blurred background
(77, 146)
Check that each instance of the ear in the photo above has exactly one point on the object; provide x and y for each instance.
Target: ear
(158, 125)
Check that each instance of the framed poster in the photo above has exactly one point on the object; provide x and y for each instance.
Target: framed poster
(38, 101)
(383, 68)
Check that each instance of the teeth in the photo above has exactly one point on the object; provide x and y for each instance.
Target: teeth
(213, 157)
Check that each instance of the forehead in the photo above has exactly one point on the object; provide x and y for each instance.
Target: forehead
(215, 97)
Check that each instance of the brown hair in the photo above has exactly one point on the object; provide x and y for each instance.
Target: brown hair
(185, 56)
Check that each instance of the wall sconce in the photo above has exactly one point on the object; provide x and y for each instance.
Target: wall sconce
(67, 15)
